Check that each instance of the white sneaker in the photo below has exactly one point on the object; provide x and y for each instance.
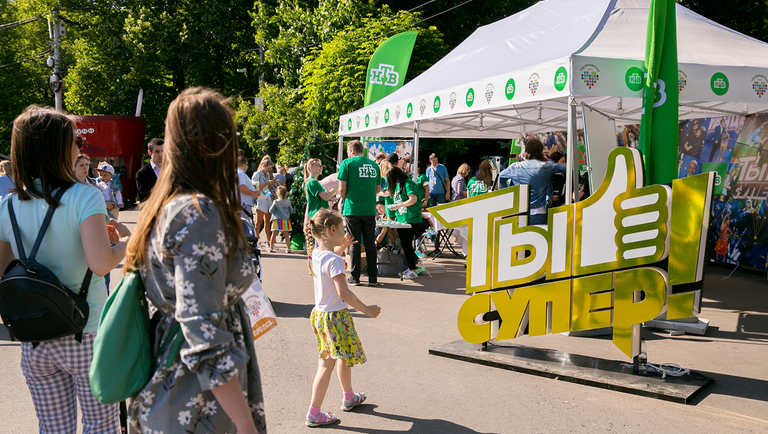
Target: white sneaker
(408, 274)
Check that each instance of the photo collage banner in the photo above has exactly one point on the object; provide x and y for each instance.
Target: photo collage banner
(734, 147)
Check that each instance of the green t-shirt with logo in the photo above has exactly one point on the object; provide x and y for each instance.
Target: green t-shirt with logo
(314, 201)
(362, 176)
(476, 187)
(388, 213)
(420, 181)
(410, 214)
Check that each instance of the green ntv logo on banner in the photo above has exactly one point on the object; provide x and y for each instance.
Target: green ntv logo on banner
(600, 259)
(384, 75)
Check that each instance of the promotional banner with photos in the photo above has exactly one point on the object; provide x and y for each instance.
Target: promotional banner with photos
(403, 149)
(734, 147)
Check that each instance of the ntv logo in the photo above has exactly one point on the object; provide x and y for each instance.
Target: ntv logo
(719, 84)
(384, 75)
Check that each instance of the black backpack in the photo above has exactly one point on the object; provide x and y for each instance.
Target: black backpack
(34, 305)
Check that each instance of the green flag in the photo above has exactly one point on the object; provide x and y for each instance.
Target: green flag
(658, 125)
(388, 65)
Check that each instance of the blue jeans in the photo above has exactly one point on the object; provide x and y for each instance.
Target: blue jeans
(435, 198)
(538, 219)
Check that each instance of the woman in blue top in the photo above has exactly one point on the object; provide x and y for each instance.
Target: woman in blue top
(43, 155)
(537, 172)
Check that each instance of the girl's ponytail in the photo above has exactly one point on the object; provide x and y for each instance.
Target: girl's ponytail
(310, 242)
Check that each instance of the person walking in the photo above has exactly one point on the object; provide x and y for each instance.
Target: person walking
(537, 172)
(146, 177)
(439, 185)
(459, 183)
(43, 154)
(264, 181)
(281, 211)
(248, 193)
(331, 321)
(190, 250)
(360, 183)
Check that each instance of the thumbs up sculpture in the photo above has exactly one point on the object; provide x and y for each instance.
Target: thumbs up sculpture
(623, 224)
(599, 259)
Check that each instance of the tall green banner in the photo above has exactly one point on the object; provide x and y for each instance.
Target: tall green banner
(388, 66)
(658, 125)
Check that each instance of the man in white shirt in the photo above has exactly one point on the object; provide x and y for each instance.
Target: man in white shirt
(248, 192)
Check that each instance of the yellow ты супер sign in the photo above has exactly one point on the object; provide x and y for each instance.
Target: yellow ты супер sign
(602, 260)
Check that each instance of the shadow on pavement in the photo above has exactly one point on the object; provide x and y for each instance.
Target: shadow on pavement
(290, 310)
(731, 385)
(417, 425)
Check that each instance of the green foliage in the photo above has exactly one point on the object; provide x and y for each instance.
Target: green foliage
(281, 119)
(24, 83)
(290, 30)
(318, 55)
(334, 76)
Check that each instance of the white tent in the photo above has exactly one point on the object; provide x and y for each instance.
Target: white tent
(517, 75)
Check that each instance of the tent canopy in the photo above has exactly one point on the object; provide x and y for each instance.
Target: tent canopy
(515, 76)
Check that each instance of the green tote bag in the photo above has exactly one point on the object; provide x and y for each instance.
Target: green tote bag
(122, 355)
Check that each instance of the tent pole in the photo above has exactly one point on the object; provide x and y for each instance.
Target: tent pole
(415, 150)
(340, 154)
(571, 173)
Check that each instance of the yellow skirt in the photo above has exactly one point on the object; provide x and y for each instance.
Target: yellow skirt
(336, 336)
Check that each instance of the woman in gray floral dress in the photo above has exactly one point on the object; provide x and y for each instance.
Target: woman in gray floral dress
(190, 249)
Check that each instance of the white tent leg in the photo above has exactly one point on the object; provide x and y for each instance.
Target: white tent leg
(341, 153)
(415, 150)
(571, 175)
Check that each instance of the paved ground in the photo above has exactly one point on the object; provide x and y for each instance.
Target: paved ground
(411, 391)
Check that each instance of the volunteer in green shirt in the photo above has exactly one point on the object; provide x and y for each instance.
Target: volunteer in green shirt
(360, 183)
(423, 182)
(317, 197)
(481, 183)
(406, 197)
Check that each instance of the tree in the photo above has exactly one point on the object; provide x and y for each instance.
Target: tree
(325, 76)
(746, 16)
(163, 48)
(23, 72)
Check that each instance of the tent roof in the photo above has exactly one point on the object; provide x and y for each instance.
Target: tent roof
(514, 76)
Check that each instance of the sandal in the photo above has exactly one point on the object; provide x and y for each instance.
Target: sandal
(354, 402)
(321, 419)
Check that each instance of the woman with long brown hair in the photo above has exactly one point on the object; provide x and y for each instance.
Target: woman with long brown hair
(481, 182)
(265, 182)
(190, 249)
(43, 154)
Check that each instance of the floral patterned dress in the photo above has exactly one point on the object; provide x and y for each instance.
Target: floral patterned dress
(190, 281)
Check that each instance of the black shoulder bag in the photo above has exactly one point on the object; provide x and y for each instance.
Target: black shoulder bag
(34, 304)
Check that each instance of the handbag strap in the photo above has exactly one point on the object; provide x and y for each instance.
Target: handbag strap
(39, 240)
(40, 233)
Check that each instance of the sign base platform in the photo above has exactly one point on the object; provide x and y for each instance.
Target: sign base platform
(575, 368)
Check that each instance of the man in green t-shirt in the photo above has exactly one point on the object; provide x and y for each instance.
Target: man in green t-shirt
(360, 182)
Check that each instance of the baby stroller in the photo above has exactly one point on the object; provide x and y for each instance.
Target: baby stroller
(250, 235)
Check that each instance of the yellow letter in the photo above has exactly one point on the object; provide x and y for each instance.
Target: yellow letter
(629, 313)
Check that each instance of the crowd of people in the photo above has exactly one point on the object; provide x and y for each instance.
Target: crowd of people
(191, 252)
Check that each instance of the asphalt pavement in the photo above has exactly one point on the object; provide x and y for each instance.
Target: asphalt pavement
(411, 391)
